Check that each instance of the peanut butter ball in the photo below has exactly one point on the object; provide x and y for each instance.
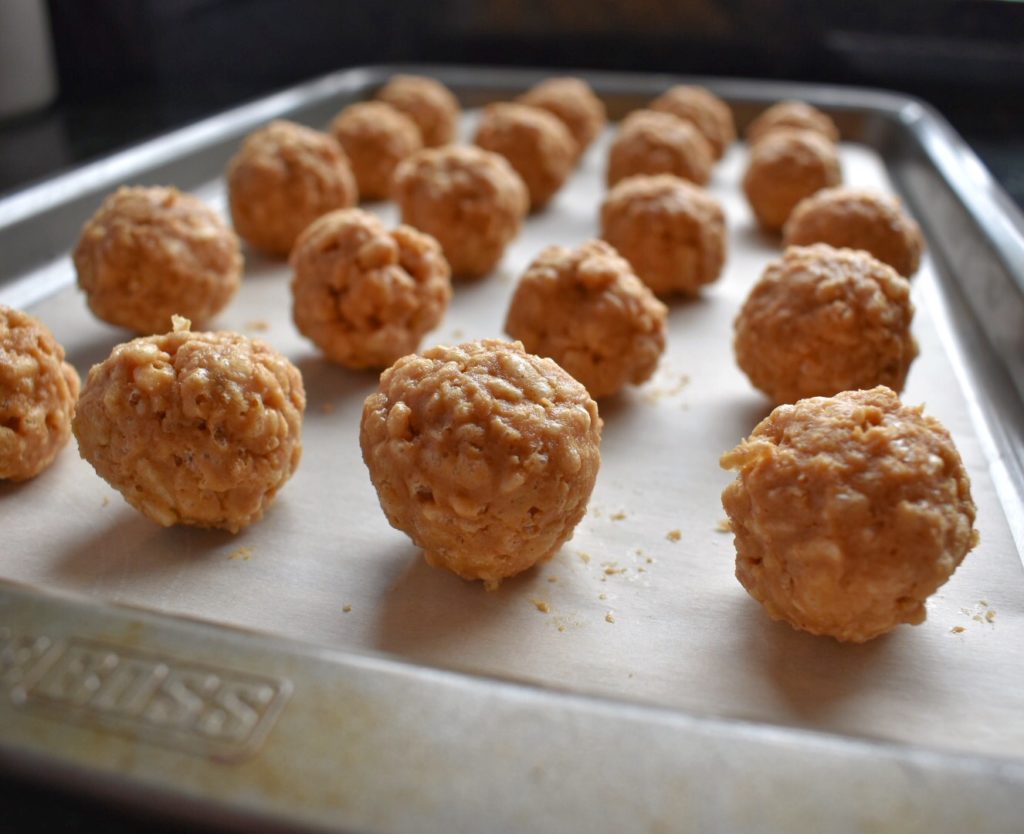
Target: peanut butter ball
(375, 137)
(536, 144)
(363, 294)
(428, 103)
(485, 455)
(587, 310)
(702, 108)
(670, 231)
(650, 142)
(848, 513)
(284, 177)
(469, 199)
(38, 392)
(822, 320)
(193, 428)
(792, 115)
(150, 253)
(573, 101)
(785, 167)
(857, 219)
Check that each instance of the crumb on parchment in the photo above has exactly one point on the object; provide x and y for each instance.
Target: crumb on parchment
(541, 606)
(619, 516)
(958, 629)
(609, 617)
(346, 608)
(674, 535)
(244, 553)
(724, 526)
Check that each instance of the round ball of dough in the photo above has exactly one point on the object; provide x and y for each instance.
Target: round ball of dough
(785, 167)
(536, 144)
(822, 320)
(283, 178)
(428, 103)
(855, 219)
(38, 392)
(671, 232)
(792, 115)
(485, 455)
(649, 142)
(573, 101)
(848, 512)
(363, 294)
(150, 253)
(587, 310)
(470, 199)
(375, 137)
(193, 428)
(702, 108)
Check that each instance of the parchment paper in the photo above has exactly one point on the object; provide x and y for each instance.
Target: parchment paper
(623, 610)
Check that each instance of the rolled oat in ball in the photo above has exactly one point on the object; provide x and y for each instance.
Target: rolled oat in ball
(38, 392)
(574, 102)
(428, 103)
(670, 231)
(586, 309)
(536, 144)
(856, 219)
(822, 320)
(785, 167)
(848, 513)
(706, 111)
(469, 199)
(485, 455)
(363, 294)
(650, 142)
(193, 428)
(375, 137)
(284, 177)
(150, 253)
(792, 115)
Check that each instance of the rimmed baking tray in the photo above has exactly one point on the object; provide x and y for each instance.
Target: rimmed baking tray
(319, 676)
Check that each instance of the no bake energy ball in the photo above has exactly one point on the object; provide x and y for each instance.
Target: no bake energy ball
(822, 320)
(785, 167)
(573, 101)
(375, 137)
(587, 310)
(283, 178)
(706, 111)
(536, 144)
(848, 512)
(193, 428)
(363, 294)
(792, 115)
(469, 199)
(670, 231)
(428, 103)
(857, 219)
(38, 392)
(150, 253)
(485, 455)
(650, 142)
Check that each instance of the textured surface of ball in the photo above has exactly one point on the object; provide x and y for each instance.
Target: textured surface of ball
(38, 392)
(586, 309)
(363, 294)
(193, 428)
(375, 138)
(282, 179)
(670, 231)
(151, 253)
(822, 320)
(483, 454)
(848, 513)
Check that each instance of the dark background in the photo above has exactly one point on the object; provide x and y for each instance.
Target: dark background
(132, 69)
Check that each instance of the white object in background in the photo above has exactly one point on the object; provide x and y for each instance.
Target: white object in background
(27, 77)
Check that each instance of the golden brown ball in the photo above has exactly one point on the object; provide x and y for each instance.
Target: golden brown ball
(792, 115)
(706, 111)
(574, 102)
(649, 142)
(427, 102)
(375, 137)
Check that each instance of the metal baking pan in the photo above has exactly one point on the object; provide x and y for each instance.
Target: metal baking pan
(313, 674)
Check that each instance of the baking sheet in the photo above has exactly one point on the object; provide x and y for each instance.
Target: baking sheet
(629, 612)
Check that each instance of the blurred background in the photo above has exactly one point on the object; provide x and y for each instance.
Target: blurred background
(126, 70)
(79, 80)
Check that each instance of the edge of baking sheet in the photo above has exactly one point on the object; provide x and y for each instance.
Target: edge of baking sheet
(228, 726)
